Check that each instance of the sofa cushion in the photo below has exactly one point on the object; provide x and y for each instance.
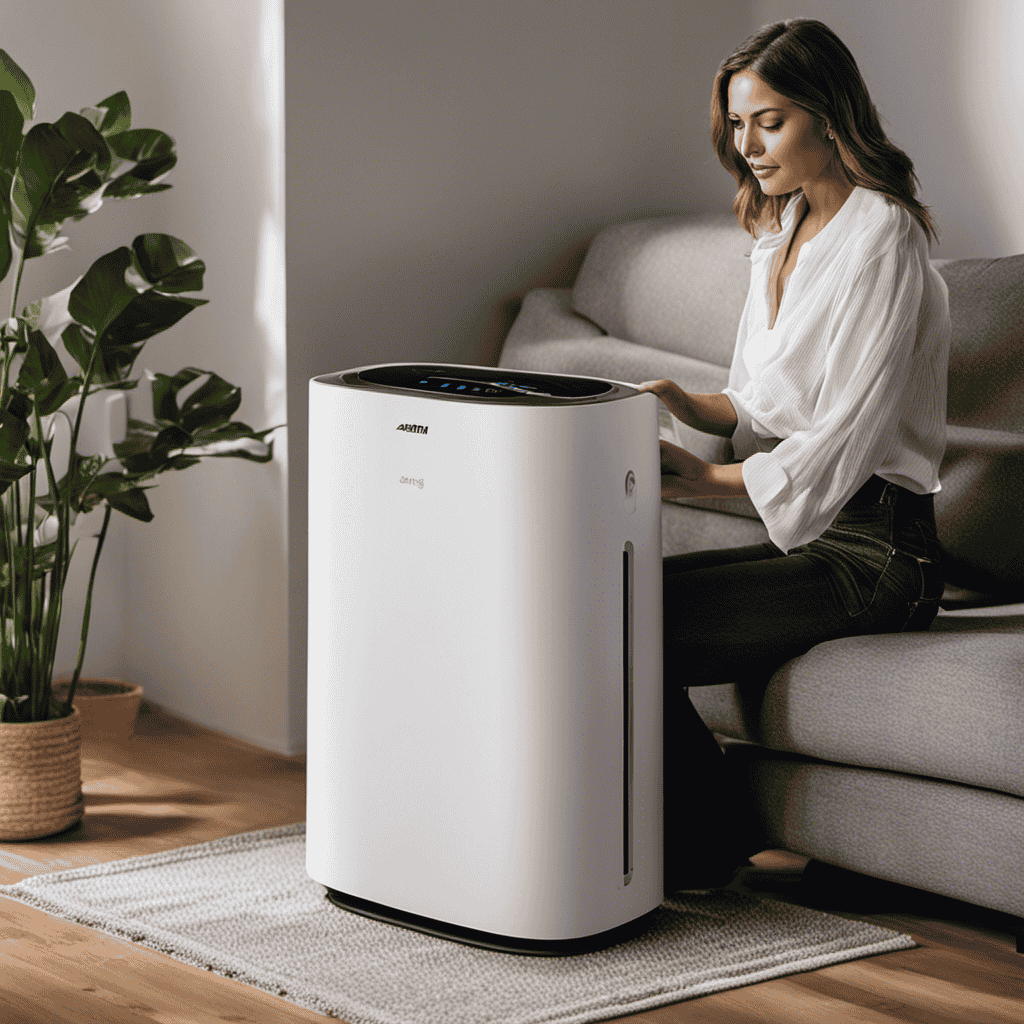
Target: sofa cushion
(947, 703)
(696, 526)
(956, 840)
(545, 315)
(671, 283)
(548, 336)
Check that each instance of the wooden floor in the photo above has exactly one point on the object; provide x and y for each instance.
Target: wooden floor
(176, 784)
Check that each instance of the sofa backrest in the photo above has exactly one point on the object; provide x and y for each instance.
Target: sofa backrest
(679, 284)
(674, 283)
(980, 511)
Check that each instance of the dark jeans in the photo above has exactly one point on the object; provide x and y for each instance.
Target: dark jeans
(741, 613)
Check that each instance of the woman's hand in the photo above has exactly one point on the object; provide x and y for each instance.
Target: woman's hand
(671, 394)
(710, 414)
(685, 476)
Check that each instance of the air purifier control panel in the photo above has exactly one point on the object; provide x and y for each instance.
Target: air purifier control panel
(492, 385)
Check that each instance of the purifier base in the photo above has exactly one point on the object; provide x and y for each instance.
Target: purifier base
(488, 940)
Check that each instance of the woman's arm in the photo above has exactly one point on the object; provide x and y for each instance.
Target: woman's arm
(710, 414)
(686, 476)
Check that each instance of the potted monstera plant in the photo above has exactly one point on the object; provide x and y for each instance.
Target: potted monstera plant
(62, 355)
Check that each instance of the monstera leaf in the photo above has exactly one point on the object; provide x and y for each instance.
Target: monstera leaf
(118, 316)
(43, 377)
(16, 82)
(61, 174)
(153, 154)
(150, 152)
(120, 492)
(110, 116)
(64, 171)
(190, 429)
(11, 126)
(44, 165)
(14, 432)
(168, 264)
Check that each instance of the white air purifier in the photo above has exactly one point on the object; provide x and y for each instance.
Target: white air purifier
(484, 756)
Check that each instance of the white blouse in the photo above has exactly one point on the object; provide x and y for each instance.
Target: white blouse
(851, 380)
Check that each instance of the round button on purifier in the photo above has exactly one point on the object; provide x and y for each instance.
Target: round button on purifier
(631, 491)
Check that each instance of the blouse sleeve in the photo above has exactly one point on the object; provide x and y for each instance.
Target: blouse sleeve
(801, 485)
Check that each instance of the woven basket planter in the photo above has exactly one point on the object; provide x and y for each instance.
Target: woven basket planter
(40, 777)
(108, 707)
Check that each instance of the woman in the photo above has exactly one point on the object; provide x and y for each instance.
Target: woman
(835, 406)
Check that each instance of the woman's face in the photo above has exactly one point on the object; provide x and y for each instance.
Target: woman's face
(779, 140)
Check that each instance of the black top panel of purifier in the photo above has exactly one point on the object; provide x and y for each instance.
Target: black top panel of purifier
(491, 385)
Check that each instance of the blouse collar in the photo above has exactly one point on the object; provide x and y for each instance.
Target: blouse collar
(840, 223)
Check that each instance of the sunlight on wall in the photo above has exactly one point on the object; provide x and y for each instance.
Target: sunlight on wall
(270, 309)
(993, 107)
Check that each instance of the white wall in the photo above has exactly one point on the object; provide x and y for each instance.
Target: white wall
(443, 155)
(194, 604)
(946, 77)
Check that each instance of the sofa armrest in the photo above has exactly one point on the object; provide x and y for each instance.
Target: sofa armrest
(549, 337)
(981, 439)
(547, 314)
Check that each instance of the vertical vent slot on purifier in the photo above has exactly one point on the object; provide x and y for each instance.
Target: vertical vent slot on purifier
(627, 713)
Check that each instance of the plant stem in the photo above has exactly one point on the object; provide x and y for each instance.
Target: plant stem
(85, 615)
(86, 382)
(7, 660)
(8, 355)
(9, 671)
(49, 620)
(65, 527)
(19, 624)
(35, 700)
(60, 557)
(16, 287)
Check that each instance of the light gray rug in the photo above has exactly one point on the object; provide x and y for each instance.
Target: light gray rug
(244, 907)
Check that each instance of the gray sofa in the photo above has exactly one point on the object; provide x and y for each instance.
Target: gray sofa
(900, 756)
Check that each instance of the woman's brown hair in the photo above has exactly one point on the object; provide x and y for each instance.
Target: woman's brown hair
(805, 61)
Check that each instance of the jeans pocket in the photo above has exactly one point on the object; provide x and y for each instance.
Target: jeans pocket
(922, 545)
(857, 563)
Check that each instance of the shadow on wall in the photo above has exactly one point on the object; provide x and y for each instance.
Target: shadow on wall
(559, 273)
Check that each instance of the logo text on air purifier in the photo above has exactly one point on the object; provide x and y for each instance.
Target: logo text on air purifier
(410, 480)
(412, 428)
